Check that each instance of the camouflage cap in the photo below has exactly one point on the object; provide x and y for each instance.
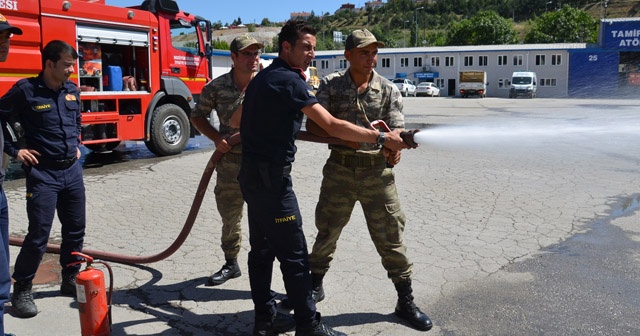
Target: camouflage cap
(4, 25)
(361, 38)
(244, 41)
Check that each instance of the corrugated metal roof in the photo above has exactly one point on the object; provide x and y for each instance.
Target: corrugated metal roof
(625, 19)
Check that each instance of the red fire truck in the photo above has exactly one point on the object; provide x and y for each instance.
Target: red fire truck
(140, 69)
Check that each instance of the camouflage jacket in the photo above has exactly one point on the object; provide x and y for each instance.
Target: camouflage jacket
(222, 95)
(381, 101)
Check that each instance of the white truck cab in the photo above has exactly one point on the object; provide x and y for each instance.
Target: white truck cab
(523, 83)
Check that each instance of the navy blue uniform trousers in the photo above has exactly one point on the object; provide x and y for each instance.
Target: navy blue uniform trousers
(275, 231)
(49, 190)
(5, 279)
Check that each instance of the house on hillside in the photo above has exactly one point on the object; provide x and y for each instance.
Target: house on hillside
(373, 4)
(347, 7)
(299, 15)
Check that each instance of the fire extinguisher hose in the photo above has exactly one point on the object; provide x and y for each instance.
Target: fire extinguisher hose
(193, 212)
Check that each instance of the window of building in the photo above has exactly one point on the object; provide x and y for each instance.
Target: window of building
(325, 64)
(417, 62)
(468, 61)
(435, 61)
(502, 60)
(386, 62)
(483, 60)
(440, 82)
(556, 59)
(517, 60)
(547, 82)
(540, 59)
(448, 61)
(344, 64)
(404, 62)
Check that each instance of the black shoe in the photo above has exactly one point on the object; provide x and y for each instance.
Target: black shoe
(227, 272)
(278, 324)
(68, 285)
(408, 311)
(22, 300)
(318, 329)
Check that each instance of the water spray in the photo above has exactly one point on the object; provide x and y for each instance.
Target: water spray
(508, 134)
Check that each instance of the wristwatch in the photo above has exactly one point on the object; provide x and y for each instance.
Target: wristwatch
(381, 139)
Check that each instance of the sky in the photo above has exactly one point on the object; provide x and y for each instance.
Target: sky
(250, 11)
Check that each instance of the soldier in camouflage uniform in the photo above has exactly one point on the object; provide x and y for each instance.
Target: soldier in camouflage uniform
(361, 96)
(225, 95)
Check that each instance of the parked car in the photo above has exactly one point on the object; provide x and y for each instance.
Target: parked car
(427, 89)
(406, 87)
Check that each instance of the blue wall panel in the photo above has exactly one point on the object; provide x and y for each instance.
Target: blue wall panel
(593, 73)
(620, 35)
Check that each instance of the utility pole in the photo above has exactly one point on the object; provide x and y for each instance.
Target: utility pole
(416, 21)
(404, 33)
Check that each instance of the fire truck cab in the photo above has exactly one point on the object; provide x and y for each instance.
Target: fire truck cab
(140, 69)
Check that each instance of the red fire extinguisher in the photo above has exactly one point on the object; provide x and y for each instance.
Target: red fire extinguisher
(94, 303)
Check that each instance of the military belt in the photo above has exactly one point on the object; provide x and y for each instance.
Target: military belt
(357, 161)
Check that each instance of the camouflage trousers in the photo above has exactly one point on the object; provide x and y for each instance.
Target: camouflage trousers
(374, 187)
(230, 204)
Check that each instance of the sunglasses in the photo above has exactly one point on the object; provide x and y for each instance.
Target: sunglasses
(250, 54)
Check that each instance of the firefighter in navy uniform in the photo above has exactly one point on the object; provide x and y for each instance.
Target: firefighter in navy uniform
(272, 115)
(48, 108)
(6, 32)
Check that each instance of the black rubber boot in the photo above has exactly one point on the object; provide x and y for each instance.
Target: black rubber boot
(278, 324)
(22, 300)
(407, 310)
(230, 270)
(317, 328)
(317, 291)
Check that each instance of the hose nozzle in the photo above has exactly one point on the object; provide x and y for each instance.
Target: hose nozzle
(407, 137)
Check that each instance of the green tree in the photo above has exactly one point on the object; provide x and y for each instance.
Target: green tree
(486, 27)
(221, 44)
(216, 25)
(265, 23)
(567, 25)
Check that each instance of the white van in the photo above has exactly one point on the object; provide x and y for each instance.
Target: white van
(523, 83)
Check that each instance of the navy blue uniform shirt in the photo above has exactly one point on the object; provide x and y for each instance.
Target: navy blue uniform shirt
(51, 119)
(271, 113)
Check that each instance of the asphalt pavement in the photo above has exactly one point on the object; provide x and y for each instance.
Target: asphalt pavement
(522, 219)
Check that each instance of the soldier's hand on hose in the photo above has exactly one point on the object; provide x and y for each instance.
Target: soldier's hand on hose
(28, 156)
(222, 145)
(393, 157)
(394, 141)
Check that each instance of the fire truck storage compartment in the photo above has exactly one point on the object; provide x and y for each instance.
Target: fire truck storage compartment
(100, 117)
(106, 55)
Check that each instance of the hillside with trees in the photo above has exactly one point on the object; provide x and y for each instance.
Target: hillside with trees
(403, 23)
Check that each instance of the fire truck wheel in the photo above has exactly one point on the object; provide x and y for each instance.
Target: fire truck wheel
(169, 131)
